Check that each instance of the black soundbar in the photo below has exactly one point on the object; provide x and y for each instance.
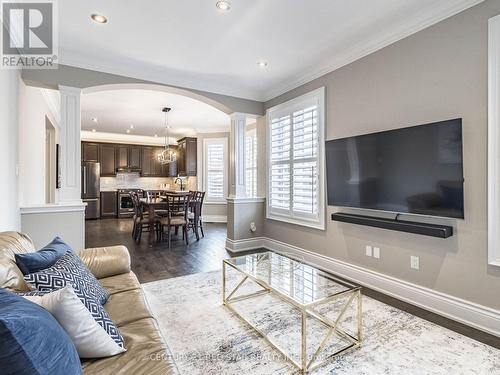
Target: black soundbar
(433, 230)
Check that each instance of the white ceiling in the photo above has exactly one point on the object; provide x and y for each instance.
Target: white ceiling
(117, 110)
(192, 44)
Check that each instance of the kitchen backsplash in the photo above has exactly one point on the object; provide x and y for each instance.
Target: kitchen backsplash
(135, 181)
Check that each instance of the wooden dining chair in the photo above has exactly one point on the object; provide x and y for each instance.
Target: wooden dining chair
(177, 206)
(156, 195)
(142, 220)
(194, 215)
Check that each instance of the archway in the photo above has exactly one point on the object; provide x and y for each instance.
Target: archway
(162, 88)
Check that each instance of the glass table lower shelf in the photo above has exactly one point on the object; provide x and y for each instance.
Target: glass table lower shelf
(308, 290)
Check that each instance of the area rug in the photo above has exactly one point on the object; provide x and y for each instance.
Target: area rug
(207, 339)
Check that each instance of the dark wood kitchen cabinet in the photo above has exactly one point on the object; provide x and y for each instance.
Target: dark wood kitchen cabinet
(109, 204)
(90, 151)
(170, 169)
(157, 166)
(122, 156)
(114, 157)
(108, 159)
(150, 165)
(134, 157)
(147, 161)
(128, 156)
(187, 156)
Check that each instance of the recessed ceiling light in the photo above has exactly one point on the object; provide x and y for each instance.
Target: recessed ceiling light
(131, 126)
(99, 18)
(128, 131)
(93, 130)
(262, 64)
(94, 119)
(223, 5)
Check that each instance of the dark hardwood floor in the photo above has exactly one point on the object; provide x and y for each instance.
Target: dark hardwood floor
(158, 262)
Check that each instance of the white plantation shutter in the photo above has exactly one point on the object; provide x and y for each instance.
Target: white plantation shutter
(296, 158)
(215, 152)
(305, 161)
(279, 184)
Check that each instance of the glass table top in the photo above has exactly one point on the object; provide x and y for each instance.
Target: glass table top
(296, 280)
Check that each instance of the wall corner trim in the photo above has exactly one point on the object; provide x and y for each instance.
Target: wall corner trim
(214, 218)
(50, 208)
(238, 200)
(466, 312)
(493, 140)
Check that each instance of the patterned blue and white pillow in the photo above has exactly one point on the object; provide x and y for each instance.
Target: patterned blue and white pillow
(97, 311)
(69, 269)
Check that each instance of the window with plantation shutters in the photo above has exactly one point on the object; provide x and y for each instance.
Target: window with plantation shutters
(215, 169)
(296, 161)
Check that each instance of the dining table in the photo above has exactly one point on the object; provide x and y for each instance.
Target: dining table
(160, 202)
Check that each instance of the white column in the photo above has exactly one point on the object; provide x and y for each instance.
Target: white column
(69, 141)
(237, 156)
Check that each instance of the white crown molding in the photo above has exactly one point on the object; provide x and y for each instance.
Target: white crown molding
(376, 42)
(466, 312)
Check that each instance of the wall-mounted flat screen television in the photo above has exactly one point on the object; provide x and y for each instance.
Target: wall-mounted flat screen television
(415, 170)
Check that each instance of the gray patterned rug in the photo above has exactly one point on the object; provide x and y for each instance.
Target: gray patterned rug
(207, 339)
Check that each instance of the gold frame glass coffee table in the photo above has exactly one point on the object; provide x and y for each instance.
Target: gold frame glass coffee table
(305, 288)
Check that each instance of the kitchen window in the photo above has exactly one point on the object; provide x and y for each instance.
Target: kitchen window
(251, 162)
(296, 181)
(215, 169)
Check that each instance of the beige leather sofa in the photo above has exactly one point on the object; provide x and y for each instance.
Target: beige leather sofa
(147, 352)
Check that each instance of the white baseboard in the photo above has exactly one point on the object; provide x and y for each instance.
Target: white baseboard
(244, 245)
(214, 218)
(466, 312)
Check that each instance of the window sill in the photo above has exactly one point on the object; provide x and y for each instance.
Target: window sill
(215, 202)
(299, 222)
(246, 200)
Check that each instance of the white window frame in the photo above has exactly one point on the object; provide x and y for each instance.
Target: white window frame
(206, 143)
(316, 97)
(252, 133)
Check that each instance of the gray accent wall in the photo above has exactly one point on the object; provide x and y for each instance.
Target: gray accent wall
(437, 74)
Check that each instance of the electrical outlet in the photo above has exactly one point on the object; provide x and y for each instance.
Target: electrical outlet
(369, 251)
(415, 262)
(376, 252)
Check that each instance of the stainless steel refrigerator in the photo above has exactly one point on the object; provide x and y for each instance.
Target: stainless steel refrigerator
(91, 172)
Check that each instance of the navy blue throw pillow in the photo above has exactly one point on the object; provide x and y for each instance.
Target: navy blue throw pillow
(32, 341)
(69, 269)
(43, 258)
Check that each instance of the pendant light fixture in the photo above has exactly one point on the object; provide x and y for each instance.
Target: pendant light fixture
(168, 154)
